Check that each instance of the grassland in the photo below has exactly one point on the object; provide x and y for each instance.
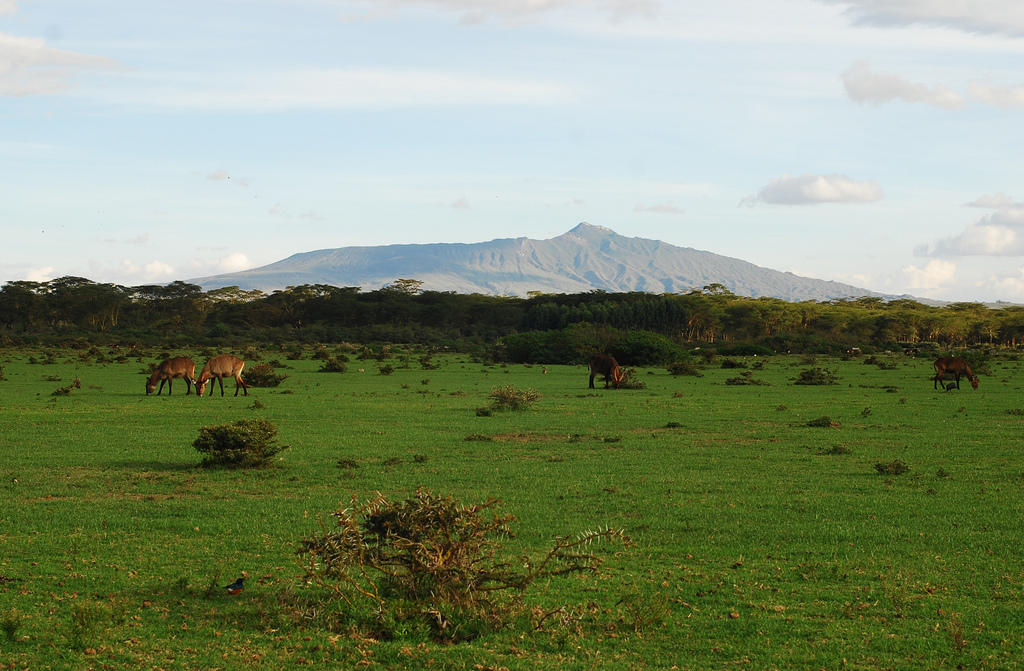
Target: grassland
(760, 542)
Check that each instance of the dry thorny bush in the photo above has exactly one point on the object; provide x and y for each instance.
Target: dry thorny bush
(432, 563)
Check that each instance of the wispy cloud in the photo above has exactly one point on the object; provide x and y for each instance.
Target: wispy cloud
(8, 6)
(1003, 97)
(999, 17)
(280, 211)
(863, 85)
(810, 189)
(28, 67)
(1000, 233)
(360, 88)
(474, 12)
(461, 204)
(664, 208)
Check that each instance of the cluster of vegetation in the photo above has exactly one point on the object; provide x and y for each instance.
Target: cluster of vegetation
(539, 327)
(431, 563)
(245, 443)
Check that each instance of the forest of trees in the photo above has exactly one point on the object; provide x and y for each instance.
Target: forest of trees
(75, 307)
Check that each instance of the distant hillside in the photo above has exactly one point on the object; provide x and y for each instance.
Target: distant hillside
(584, 259)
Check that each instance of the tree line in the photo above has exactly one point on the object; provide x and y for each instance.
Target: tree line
(403, 312)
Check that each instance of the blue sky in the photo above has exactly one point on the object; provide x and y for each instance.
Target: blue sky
(874, 142)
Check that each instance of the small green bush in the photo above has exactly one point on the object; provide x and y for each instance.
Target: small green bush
(895, 467)
(823, 422)
(263, 375)
(746, 377)
(510, 398)
(630, 380)
(332, 365)
(684, 368)
(817, 376)
(246, 443)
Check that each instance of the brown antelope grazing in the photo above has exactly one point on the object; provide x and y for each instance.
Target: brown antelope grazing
(955, 365)
(170, 370)
(220, 367)
(602, 364)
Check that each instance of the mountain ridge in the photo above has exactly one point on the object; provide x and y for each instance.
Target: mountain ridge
(585, 258)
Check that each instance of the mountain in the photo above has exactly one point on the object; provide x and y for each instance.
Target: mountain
(584, 259)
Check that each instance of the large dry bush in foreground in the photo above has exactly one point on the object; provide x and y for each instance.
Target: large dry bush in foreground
(431, 562)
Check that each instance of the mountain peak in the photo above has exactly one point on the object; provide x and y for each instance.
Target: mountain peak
(585, 258)
(584, 228)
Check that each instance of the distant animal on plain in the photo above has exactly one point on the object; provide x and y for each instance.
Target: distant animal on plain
(602, 364)
(168, 371)
(955, 365)
(220, 367)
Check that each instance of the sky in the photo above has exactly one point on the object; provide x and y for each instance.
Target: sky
(878, 143)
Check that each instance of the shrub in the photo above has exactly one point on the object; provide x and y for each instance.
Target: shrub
(245, 443)
(733, 363)
(510, 398)
(263, 375)
(386, 369)
(431, 562)
(817, 376)
(823, 422)
(630, 380)
(684, 368)
(747, 377)
(332, 365)
(895, 467)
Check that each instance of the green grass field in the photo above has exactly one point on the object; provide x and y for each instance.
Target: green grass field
(759, 541)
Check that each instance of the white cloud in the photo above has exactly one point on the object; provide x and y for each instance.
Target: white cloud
(233, 262)
(1001, 17)
(863, 85)
(230, 263)
(154, 271)
(461, 204)
(1003, 97)
(1000, 233)
(474, 12)
(993, 202)
(932, 276)
(810, 189)
(29, 67)
(8, 6)
(44, 274)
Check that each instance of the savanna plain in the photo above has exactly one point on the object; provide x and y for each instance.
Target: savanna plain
(873, 523)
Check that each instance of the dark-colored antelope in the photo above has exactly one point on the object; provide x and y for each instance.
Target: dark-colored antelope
(220, 367)
(955, 365)
(170, 370)
(602, 364)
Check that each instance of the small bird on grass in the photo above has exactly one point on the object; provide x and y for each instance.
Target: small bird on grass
(235, 587)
